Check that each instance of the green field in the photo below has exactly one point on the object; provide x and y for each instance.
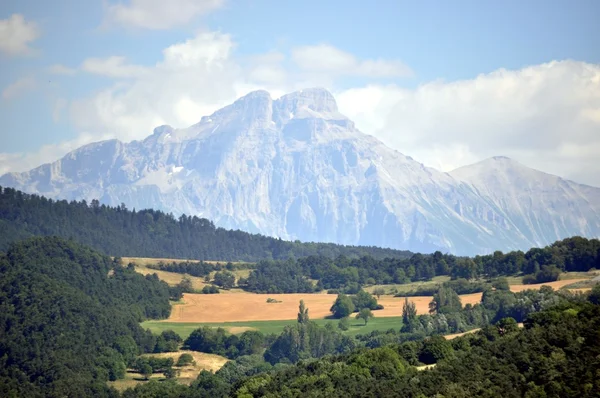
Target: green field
(267, 327)
(407, 287)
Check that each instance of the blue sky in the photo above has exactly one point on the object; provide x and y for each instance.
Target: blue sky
(377, 59)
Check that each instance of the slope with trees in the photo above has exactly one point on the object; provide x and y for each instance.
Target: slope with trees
(118, 231)
(70, 317)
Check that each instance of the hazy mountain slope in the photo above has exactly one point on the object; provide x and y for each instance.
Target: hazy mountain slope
(540, 207)
(298, 169)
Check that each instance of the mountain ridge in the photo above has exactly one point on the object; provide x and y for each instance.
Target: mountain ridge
(296, 168)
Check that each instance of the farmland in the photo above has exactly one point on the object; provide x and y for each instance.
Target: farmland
(237, 311)
(268, 327)
(244, 307)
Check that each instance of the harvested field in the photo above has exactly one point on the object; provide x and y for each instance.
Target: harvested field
(203, 308)
(241, 307)
(555, 285)
(455, 335)
(171, 278)
(187, 374)
(581, 290)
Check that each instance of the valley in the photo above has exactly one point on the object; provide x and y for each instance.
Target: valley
(237, 311)
(262, 199)
(192, 328)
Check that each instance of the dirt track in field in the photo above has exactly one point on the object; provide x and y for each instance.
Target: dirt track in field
(555, 285)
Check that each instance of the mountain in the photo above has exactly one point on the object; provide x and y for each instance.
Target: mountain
(296, 168)
(537, 206)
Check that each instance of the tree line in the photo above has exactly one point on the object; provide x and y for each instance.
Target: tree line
(348, 275)
(118, 231)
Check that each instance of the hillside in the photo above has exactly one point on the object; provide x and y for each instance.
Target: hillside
(69, 319)
(296, 168)
(117, 231)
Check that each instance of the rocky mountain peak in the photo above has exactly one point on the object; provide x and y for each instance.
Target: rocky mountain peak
(295, 167)
(315, 99)
(164, 129)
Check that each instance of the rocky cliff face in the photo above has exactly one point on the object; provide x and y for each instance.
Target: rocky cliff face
(298, 169)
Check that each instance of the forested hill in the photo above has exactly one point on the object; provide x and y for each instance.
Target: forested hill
(118, 231)
(69, 319)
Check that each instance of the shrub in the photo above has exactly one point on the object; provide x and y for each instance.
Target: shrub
(548, 273)
(185, 359)
(342, 307)
(210, 289)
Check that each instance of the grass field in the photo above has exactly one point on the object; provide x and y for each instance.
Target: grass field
(267, 327)
(407, 287)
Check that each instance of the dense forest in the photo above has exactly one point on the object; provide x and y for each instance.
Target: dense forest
(117, 231)
(69, 319)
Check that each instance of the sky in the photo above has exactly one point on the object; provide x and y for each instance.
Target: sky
(448, 83)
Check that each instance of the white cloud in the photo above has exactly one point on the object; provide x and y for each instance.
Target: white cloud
(16, 162)
(112, 67)
(19, 87)
(59, 69)
(193, 79)
(16, 34)
(268, 69)
(328, 59)
(159, 14)
(59, 105)
(545, 116)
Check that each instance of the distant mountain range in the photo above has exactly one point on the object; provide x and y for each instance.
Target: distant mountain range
(296, 168)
